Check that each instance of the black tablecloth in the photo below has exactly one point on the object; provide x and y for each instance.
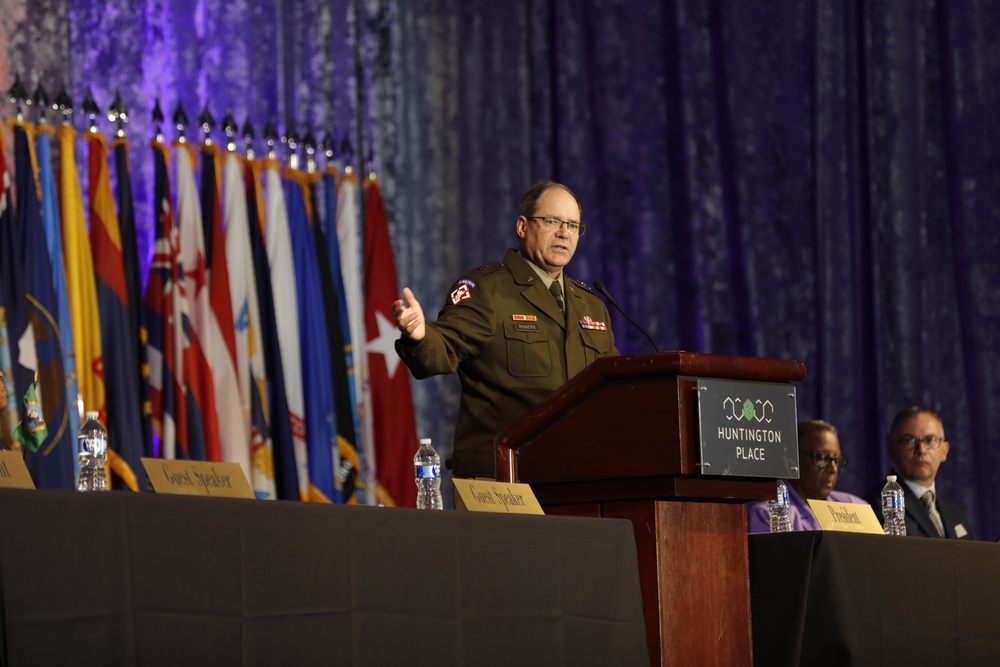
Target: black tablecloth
(139, 579)
(843, 599)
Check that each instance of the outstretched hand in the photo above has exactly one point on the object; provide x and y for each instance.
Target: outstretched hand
(409, 315)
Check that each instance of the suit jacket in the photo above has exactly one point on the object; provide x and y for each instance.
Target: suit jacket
(918, 520)
(504, 334)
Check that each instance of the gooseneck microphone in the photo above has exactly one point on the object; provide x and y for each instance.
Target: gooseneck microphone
(599, 286)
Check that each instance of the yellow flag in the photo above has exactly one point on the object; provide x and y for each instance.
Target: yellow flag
(79, 267)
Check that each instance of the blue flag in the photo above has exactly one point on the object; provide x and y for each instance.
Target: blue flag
(53, 237)
(320, 418)
(338, 335)
(52, 465)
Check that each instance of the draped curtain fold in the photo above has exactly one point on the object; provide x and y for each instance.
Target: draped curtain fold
(787, 179)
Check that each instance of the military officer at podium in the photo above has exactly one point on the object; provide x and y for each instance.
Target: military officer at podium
(515, 330)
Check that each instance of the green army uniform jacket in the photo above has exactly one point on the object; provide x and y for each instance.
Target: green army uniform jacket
(502, 330)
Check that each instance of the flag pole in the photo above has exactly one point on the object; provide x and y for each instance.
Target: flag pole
(291, 141)
(248, 137)
(91, 111)
(271, 138)
(180, 121)
(18, 96)
(118, 114)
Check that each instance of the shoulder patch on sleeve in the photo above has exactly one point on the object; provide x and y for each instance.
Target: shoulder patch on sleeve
(461, 293)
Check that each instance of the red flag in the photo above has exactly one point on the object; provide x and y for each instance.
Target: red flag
(393, 422)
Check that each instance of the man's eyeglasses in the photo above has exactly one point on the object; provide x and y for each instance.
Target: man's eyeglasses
(910, 441)
(550, 224)
(822, 460)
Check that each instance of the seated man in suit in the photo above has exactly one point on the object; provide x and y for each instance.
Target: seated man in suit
(918, 448)
(820, 464)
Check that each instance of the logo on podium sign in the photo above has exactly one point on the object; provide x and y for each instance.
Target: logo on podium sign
(748, 429)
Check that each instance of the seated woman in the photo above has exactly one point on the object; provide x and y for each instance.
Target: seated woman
(820, 464)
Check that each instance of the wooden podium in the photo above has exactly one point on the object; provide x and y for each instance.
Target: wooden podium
(621, 440)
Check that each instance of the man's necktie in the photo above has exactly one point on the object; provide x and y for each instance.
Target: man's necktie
(928, 500)
(556, 290)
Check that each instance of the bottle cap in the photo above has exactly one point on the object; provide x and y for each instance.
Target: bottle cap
(93, 414)
(890, 478)
(425, 441)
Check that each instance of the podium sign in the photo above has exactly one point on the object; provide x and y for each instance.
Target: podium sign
(748, 429)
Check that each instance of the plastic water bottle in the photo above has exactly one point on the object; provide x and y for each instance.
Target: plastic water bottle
(427, 475)
(92, 451)
(893, 507)
(778, 510)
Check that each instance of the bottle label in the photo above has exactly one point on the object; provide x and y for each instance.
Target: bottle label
(427, 471)
(96, 446)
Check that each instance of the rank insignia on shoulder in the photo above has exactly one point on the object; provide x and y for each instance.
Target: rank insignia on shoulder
(524, 318)
(460, 294)
(587, 323)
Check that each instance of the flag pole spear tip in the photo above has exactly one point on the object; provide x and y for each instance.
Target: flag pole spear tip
(180, 122)
(42, 100)
(157, 121)
(347, 154)
(371, 162)
(65, 106)
(248, 131)
(118, 114)
(207, 123)
(16, 90)
(229, 127)
(270, 137)
(91, 111)
(248, 137)
(309, 143)
(291, 139)
(17, 93)
(327, 144)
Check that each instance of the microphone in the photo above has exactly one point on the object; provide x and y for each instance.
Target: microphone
(599, 286)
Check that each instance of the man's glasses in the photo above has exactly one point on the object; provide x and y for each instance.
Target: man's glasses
(822, 460)
(910, 441)
(550, 224)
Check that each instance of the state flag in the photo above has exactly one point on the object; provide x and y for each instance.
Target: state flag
(81, 287)
(286, 315)
(314, 347)
(53, 237)
(199, 387)
(274, 415)
(250, 369)
(349, 236)
(133, 287)
(122, 414)
(220, 344)
(51, 465)
(165, 320)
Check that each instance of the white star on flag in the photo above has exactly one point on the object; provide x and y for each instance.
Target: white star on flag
(385, 344)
